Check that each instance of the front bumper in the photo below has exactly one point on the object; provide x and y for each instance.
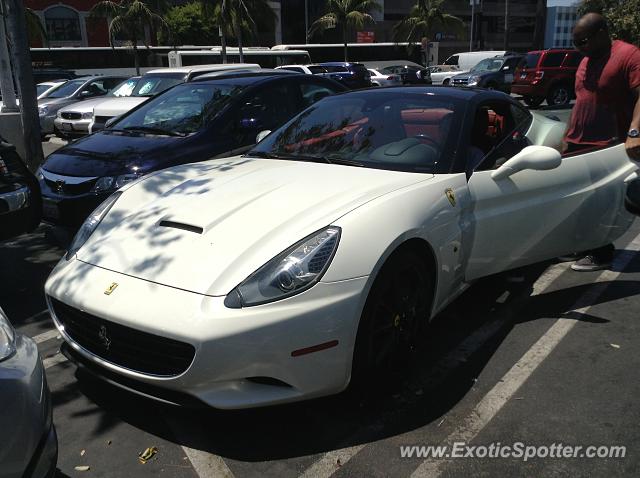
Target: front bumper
(79, 127)
(243, 357)
(30, 445)
(14, 198)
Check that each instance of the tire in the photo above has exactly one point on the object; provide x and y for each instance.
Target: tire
(446, 82)
(559, 95)
(491, 86)
(533, 101)
(394, 317)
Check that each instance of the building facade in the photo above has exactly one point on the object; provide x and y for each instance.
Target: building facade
(560, 23)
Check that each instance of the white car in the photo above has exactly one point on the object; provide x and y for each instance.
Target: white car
(155, 82)
(442, 74)
(316, 259)
(306, 69)
(379, 79)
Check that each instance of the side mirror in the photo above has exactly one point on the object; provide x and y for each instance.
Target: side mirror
(505, 68)
(537, 158)
(110, 121)
(262, 135)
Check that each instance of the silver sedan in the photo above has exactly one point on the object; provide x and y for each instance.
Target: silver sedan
(379, 79)
(29, 440)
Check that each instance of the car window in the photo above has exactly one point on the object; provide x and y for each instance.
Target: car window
(154, 84)
(573, 60)
(374, 73)
(499, 132)
(293, 68)
(336, 69)
(488, 64)
(66, 89)
(315, 69)
(392, 131)
(531, 60)
(41, 89)
(554, 59)
(312, 92)
(270, 107)
(452, 60)
(125, 88)
(184, 110)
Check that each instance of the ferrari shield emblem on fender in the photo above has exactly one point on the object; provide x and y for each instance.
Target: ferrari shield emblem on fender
(111, 288)
(450, 196)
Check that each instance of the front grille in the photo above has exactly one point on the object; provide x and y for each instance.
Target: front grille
(460, 81)
(61, 187)
(71, 115)
(101, 119)
(124, 346)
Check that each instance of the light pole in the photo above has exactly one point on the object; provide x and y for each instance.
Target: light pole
(506, 24)
(473, 17)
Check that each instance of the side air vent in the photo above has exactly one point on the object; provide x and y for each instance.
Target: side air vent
(180, 225)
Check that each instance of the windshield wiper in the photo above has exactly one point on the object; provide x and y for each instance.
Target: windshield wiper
(330, 159)
(151, 129)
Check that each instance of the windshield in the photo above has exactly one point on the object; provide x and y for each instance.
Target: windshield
(315, 69)
(488, 64)
(41, 89)
(184, 110)
(384, 130)
(125, 88)
(153, 84)
(336, 69)
(66, 89)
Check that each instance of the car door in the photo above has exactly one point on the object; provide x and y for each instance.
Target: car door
(20, 203)
(532, 216)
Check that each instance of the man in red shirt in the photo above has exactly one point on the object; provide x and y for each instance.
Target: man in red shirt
(607, 109)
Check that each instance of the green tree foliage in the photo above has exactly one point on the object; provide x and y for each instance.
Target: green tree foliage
(425, 16)
(190, 26)
(623, 17)
(129, 20)
(345, 14)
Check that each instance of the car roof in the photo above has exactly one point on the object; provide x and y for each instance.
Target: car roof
(339, 63)
(466, 93)
(238, 73)
(211, 67)
(387, 63)
(246, 78)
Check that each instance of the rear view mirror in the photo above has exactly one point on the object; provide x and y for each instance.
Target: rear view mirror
(536, 158)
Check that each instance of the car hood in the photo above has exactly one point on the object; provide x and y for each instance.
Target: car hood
(56, 101)
(226, 218)
(85, 106)
(117, 106)
(106, 154)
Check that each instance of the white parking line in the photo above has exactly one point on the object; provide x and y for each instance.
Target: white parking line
(502, 392)
(51, 334)
(327, 465)
(207, 465)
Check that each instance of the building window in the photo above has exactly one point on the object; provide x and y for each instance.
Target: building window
(63, 24)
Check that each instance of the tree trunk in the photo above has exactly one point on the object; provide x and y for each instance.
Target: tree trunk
(21, 56)
(136, 58)
(223, 44)
(240, 53)
(344, 39)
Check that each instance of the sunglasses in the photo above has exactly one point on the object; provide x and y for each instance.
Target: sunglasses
(585, 40)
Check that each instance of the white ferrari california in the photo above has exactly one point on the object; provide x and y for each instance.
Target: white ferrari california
(314, 260)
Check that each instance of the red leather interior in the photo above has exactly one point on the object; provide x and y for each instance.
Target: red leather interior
(425, 121)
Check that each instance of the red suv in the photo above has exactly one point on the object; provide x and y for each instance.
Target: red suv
(547, 75)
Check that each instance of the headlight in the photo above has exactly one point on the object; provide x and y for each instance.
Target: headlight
(289, 273)
(7, 337)
(43, 110)
(90, 224)
(473, 80)
(87, 115)
(109, 183)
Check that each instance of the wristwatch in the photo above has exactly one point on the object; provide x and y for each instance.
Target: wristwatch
(633, 133)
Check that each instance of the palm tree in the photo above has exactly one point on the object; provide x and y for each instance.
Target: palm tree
(129, 19)
(423, 18)
(239, 17)
(346, 13)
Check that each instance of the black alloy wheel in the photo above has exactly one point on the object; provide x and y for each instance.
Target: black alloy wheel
(559, 95)
(394, 318)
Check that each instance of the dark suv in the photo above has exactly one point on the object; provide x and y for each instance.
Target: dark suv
(495, 73)
(547, 74)
(352, 75)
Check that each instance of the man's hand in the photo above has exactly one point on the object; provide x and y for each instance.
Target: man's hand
(632, 145)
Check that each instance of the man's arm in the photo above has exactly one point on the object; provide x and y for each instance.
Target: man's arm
(632, 145)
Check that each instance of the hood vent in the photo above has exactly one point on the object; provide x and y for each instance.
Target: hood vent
(180, 225)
